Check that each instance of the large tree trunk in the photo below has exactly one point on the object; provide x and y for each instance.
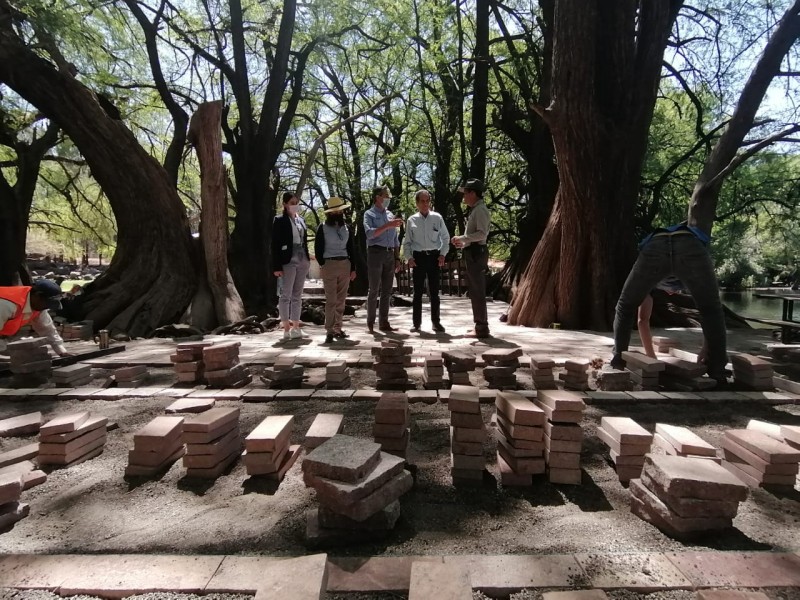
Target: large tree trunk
(606, 67)
(16, 200)
(150, 280)
(205, 135)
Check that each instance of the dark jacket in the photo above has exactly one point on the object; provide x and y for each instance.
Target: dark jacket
(282, 242)
(319, 247)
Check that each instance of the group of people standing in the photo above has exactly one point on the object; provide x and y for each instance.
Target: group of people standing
(425, 246)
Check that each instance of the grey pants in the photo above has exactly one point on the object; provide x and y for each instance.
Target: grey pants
(380, 272)
(290, 303)
(476, 261)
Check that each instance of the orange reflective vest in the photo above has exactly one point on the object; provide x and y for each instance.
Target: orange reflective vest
(19, 296)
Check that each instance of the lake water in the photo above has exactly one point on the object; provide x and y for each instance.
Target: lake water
(745, 303)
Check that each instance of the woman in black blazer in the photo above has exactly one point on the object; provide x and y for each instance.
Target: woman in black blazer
(290, 262)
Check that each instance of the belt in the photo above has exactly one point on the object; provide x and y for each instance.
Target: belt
(426, 252)
(671, 233)
(337, 258)
(387, 248)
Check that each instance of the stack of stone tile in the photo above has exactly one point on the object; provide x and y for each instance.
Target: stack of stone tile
(433, 372)
(267, 450)
(222, 367)
(284, 374)
(11, 509)
(213, 442)
(614, 380)
(577, 375)
(155, 447)
(324, 427)
(466, 423)
(392, 420)
(628, 442)
(391, 361)
(337, 375)
(683, 375)
(501, 367)
(680, 441)
(130, 377)
(752, 372)
(82, 330)
(30, 362)
(664, 344)
(76, 375)
(71, 439)
(458, 365)
(358, 488)
(644, 370)
(520, 437)
(758, 459)
(542, 373)
(188, 362)
(684, 497)
(563, 437)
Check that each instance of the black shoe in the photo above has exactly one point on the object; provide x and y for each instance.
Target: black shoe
(386, 327)
(617, 363)
(329, 338)
(437, 327)
(370, 328)
(340, 335)
(415, 329)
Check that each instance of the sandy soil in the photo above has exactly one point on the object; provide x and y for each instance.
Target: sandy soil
(91, 508)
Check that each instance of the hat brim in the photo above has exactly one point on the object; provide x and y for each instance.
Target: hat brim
(337, 209)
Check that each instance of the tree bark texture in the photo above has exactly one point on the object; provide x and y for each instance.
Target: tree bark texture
(16, 200)
(205, 135)
(703, 206)
(150, 280)
(607, 60)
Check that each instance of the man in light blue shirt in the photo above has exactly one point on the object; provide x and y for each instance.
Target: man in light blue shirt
(383, 256)
(425, 246)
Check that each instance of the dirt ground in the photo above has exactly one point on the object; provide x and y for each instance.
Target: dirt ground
(91, 508)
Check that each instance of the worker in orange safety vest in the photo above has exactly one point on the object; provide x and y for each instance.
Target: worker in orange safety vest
(28, 305)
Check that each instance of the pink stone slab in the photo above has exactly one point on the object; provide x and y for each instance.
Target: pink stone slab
(121, 575)
(643, 572)
(739, 569)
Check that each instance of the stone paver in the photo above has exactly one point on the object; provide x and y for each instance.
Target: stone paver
(27, 571)
(120, 575)
(372, 574)
(302, 578)
(239, 574)
(642, 572)
(501, 575)
(436, 580)
(738, 569)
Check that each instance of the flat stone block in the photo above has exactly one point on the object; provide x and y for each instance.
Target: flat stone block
(240, 574)
(642, 572)
(503, 575)
(439, 580)
(343, 458)
(120, 575)
(280, 579)
(694, 478)
(576, 595)
(22, 425)
(738, 569)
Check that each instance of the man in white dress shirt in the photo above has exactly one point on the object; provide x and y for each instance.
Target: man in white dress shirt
(425, 246)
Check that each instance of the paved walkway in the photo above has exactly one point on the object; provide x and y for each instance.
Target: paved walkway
(457, 319)
(126, 574)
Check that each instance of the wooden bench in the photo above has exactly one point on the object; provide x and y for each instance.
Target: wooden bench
(788, 328)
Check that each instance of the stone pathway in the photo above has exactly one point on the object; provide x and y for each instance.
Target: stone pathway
(116, 576)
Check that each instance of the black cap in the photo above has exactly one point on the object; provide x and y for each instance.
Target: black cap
(50, 291)
(476, 185)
